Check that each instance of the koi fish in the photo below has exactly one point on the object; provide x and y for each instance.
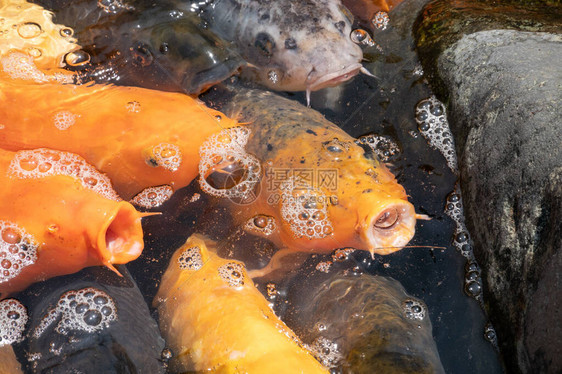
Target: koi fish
(150, 47)
(215, 319)
(293, 45)
(327, 191)
(140, 138)
(59, 215)
(369, 324)
(92, 321)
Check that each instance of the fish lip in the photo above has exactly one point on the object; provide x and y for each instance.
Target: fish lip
(334, 78)
(121, 239)
(395, 237)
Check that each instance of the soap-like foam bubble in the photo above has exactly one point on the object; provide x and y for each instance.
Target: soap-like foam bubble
(21, 66)
(342, 254)
(224, 154)
(152, 197)
(13, 317)
(414, 309)
(431, 118)
(232, 273)
(326, 351)
(64, 119)
(87, 309)
(18, 249)
(261, 224)
(324, 266)
(384, 147)
(43, 162)
(166, 155)
(191, 259)
(305, 210)
(381, 20)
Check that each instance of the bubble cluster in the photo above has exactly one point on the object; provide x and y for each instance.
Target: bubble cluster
(87, 309)
(13, 317)
(225, 169)
(64, 119)
(381, 20)
(306, 212)
(133, 107)
(190, 259)
(432, 123)
(21, 66)
(232, 273)
(342, 254)
(152, 197)
(324, 266)
(166, 155)
(414, 309)
(472, 280)
(361, 37)
(384, 147)
(261, 224)
(43, 162)
(113, 6)
(18, 249)
(326, 351)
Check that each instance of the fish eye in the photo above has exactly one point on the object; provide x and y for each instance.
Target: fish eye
(265, 43)
(387, 219)
(290, 43)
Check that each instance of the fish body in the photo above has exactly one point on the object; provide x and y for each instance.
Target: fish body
(147, 46)
(90, 322)
(59, 215)
(140, 138)
(320, 189)
(158, 49)
(369, 324)
(293, 45)
(214, 318)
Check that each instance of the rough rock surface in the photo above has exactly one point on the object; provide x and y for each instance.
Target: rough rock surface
(505, 109)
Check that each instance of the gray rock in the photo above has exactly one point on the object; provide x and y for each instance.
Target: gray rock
(505, 110)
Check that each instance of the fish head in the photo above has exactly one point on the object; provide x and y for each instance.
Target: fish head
(298, 47)
(338, 195)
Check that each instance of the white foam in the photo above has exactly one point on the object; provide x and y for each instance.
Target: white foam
(64, 119)
(326, 351)
(18, 249)
(190, 259)
(166, 155)
(152, 197)
(87, 309)
(414, 309)
(13, 317)
(431, 118)
(232, 273)
(228, 147)
(43, 162)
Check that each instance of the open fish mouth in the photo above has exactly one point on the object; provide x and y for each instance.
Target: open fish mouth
(391, 228)
(332, 79)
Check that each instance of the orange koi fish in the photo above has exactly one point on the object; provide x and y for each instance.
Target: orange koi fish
(140, 138)
(301, 181)
(215, 319)
(58, 215)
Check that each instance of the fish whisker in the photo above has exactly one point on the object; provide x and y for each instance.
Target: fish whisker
(367, 72)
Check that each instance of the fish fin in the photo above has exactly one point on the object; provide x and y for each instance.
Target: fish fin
(110, 266)
(282, 262)
(424, 217)
(308, 97)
